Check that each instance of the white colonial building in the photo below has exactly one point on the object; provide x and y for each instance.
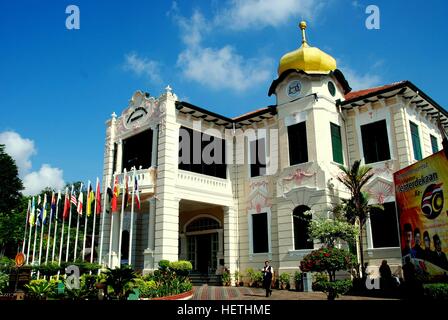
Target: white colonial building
(239, 213)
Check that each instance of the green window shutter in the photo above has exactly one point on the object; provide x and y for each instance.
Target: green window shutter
(416, 141)
(336, 143)
(434, 145)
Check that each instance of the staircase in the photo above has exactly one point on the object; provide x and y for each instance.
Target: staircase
(198, 279)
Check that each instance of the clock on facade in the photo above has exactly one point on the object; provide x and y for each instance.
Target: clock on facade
(294, 89)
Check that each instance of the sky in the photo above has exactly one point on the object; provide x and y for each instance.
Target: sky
(59, 86)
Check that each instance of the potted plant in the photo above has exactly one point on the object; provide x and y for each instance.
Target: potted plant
(101, 281)
(250, 274)
(298, 280)
(120, 280)
(284, 280)
(40, 289)
(329, 260)
(225, 279)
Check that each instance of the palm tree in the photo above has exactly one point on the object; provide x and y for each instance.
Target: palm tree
(357, 208)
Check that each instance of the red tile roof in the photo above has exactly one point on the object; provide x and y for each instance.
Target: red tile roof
(357, 94)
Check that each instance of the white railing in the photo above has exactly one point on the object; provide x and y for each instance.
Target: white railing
(206, 183)
(146, 179)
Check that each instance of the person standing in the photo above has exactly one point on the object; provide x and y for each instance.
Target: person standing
(267, 278)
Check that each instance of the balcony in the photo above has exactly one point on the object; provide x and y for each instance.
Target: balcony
(203, 186)
(146, 179)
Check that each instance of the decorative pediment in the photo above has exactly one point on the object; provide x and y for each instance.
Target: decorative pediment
(296, 179)
(143, 111)
(259, 195)
(380, 190)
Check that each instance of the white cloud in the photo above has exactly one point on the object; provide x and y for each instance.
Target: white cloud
(217, 68)
(244, 14)
(21, 150)
(142, 66)
(361, 81)
(223, 68)
(47, 176)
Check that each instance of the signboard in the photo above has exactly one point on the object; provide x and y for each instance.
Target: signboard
(421, 192)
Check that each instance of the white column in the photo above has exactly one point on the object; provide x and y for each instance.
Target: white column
(369, 232)
(149, 251)
(119, 165)
(230, 239)
(155, 139)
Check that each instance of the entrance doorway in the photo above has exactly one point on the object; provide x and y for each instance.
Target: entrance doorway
(203, 252)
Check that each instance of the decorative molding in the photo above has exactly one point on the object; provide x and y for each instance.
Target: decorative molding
(259, 195)
(143, 111)
(296, 179)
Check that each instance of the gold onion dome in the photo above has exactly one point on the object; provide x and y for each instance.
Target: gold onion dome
(306, 58)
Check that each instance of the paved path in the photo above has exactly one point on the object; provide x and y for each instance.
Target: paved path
(206, 292)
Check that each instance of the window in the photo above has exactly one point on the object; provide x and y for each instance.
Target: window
(202, 224)
(434, 145)
(114, 161)
(190, 161)
(298, 149)
(331, 88)
(137, 150)
(258, 157)
(375, 142)
(336, 143)
(384, 226)
(301, 228)
(260, 232)
(416, 141)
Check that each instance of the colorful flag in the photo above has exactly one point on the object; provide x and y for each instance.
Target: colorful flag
(137, 192)
(66, 205)
(109, 195)
(73, 198)
(44, 210)
(115, 195)
(80, 202)
(126, 193)
(32, 218)
(57, 204)
(52, 206)
(98, 196)
(90, 199)
(38, 211)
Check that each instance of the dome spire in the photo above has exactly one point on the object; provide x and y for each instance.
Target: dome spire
(302, 26)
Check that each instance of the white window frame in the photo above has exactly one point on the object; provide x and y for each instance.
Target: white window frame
(250, 213)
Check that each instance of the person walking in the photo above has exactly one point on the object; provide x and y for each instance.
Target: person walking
(267, 278)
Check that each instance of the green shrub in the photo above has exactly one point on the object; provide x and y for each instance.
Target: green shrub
(182, 267)
(297, 276)
(225, 278)
(164, 264)
(40, 289)
(4, 279)
(333, 288)
(284, 278)
(6, 264)
(436, 290)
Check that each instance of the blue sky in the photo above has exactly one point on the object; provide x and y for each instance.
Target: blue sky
(59, 86)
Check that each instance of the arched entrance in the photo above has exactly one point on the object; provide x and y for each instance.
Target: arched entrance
(203, 235)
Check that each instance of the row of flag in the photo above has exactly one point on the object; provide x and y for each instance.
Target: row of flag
(40, 210)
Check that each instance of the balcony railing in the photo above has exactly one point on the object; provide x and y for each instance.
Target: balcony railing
(146, 179)
(203, 182)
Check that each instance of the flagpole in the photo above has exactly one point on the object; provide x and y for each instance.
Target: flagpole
(26, 225)
(102, 224)
(56, 226)
(85, 222)
(31, 232)
(77, 224)
(42, 227)
(92, 245)
(122, 216)
(111, 229)
(132, 221)
(49, 228)
(69, 224)
(35, 234)
(61, 242)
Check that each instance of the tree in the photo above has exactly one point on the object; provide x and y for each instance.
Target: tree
(328, 231)
(357, 208)
(10, 186)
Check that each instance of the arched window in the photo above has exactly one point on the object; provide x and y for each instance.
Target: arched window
(201, 224)
(301, 228)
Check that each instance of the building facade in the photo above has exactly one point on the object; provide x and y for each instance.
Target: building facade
(280, 169)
